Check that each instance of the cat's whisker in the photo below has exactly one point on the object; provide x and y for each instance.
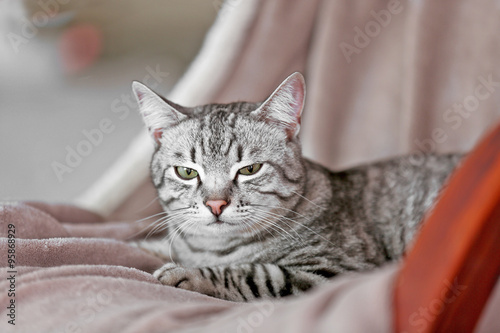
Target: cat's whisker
(312, 202)
(184, 227)
(151, 216)
(249, 226)
(162, 223)
(280, 231)
(145, 227)
(265, 216)
(159, 223)
(308, 228)
(169, 216)
(280, 207)
(139, 232)
(269, 213)
(269, 225)
(173, 235)
(188, 225)
(281, 217)
(160, 227)
(149, 204)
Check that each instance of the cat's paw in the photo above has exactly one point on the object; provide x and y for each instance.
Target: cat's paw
(177, 276)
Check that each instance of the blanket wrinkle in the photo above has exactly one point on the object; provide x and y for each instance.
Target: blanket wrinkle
(68, 251)
(29, 222)
(88, 279)
(370, 96)
(66, 213)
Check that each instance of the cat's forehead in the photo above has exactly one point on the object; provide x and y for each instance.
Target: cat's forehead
(222, 137)
(236, 107)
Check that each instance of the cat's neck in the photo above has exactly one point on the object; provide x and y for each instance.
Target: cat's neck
(317, 193)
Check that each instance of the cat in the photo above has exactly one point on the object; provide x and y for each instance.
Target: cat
(248, 217)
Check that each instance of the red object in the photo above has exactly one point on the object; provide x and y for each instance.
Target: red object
(448, 275)
(80, 46)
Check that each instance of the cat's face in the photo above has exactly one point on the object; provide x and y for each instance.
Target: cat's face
(227, 169)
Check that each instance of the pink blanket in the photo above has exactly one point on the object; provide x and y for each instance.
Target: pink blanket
(73, 273)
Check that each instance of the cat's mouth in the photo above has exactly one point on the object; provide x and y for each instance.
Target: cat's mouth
(219, 222)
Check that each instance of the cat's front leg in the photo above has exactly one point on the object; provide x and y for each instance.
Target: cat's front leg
(241, 283)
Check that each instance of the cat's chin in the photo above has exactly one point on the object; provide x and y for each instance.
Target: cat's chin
(221, 223)
(225, 228)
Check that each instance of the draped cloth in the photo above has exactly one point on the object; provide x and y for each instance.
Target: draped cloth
(383, 78)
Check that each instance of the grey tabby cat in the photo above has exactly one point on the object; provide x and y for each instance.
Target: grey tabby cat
(248, 217)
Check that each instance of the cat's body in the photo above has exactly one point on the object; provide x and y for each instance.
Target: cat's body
(249, 217)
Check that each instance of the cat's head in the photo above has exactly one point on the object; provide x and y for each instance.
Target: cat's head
(227, 168)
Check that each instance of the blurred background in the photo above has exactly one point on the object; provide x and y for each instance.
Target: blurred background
(65, 74)
(384, 78)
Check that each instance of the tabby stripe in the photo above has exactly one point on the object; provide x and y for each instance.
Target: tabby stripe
(281, 171)
(167, 202)
(213, 277)
(324, 272)
(302, 284)
(275, 193)
(255, 151)
(202, 273)
(251, 283)
(178, 283)
(193, 154)
(226, 280)
(402, 235)
(229, 146)
(202, 144)
(287, 277)
(385, 250)
(269, 283)
(240, 153)
(237, 287)
(179, 187)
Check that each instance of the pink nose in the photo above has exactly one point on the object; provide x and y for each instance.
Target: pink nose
(216, 205)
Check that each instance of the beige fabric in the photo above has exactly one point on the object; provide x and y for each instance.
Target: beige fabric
(385, 97)
(73, 273)
(369, 97)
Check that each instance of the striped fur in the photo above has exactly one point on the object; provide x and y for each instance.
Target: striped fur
(290, 226)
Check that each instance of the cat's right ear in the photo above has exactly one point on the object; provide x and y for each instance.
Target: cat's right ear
(158, 113)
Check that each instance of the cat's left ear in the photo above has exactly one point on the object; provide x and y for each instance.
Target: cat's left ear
(158, 113)
(284, 106)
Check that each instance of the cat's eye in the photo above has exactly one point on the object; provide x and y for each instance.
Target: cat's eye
(250, 169)
(186, 173)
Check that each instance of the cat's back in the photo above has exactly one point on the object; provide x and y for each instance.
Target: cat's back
(384, 202)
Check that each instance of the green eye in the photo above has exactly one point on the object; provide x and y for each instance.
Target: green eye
(250, 170)
(186, 173)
